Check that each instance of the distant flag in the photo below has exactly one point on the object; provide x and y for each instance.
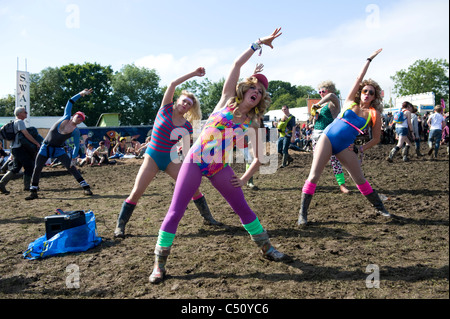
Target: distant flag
(443, 104)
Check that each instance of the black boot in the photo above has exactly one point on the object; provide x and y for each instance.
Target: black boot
(405, 153)
(268, 251)
(392, 154)
(203, 208)
(124, 217)
(303, 213)
(6, 178)
(376, 202)
(33, 194)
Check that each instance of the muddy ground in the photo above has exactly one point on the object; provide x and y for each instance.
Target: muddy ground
(331, 256)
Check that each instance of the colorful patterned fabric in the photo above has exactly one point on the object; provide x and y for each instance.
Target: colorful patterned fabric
(213, 150)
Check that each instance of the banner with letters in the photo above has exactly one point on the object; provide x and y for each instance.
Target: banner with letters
(23, 93)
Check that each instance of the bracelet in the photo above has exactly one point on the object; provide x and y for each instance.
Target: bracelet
(256, 46)
(369, 59)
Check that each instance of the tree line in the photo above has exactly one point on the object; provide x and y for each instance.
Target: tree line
(135, 93)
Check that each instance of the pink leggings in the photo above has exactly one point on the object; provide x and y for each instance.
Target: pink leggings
(189, 180)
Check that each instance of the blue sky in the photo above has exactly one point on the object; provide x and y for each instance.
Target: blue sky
(321, 39)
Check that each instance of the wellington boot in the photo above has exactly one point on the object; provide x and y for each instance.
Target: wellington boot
(268, 251)
(124, 217)
(303, 213)
(203, 208)
(377, 203)
(6, 178)
(159, 267)
(33, 195)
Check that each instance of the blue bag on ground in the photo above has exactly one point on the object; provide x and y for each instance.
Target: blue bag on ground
(76, 239)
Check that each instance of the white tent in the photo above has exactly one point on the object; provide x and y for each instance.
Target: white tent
(300, 113)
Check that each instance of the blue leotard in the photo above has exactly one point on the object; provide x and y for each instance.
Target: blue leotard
(342, 134)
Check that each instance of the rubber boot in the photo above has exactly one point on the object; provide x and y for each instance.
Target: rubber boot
(124, 217)
(250, 183)
(33, 194)
(392, 154)
(159, 268)
(303, 213)
(418, 152)
(26, 182)
(286, 160)
(6, 178)
(268, 251)
(405, 153)
(203, 208)
(376, 202)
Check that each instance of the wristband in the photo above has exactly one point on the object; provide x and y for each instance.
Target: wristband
(369, 59)
(256, 46)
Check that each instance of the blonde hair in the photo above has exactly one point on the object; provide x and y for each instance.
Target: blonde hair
(195, 112)
(257, 113)
(377, 103)
(328, 85)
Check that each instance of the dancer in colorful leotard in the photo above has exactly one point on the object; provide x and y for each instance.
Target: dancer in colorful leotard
(172, 121)
(53, 146)
(240, 107)
(326, 111)
(362, 108)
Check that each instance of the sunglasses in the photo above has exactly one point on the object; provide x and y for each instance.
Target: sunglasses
(366, 91)
(320, 92)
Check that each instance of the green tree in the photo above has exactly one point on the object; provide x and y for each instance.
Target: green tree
(208, 93)
(89, 75)
(424, 76)
(7, 105)
(53, 87)
(136, 95)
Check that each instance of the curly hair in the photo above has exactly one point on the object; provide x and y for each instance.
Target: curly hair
(377, 103)
(328, 85)
(256, 114)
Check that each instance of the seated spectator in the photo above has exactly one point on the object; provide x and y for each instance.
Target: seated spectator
(134, 148)
(120, 149)
(89, 159)
(143, 147)
(101, 154)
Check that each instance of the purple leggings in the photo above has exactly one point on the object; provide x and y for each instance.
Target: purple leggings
(189, 180)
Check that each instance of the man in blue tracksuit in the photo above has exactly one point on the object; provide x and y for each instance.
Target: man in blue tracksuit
(53, 146)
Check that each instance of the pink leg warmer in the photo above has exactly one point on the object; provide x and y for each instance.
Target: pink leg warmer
(130, 202)
(365, 188)
(309, 188)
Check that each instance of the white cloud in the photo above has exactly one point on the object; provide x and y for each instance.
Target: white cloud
(407, 31)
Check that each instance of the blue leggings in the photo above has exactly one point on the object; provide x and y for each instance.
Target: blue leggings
(189, 180)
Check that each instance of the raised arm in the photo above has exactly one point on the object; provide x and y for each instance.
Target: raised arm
(168, 95)
(71, 102)
(359, 79)
(229, 88)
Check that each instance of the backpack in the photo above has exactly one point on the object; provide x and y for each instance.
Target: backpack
(7, 131)
(399, 117)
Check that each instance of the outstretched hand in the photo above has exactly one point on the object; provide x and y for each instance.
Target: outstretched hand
(259, 68)
(375, 54)
(268, 40)
(200, 71)
(86, 92)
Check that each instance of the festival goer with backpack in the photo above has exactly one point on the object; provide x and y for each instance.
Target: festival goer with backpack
(241, 106)
(363, 107)
(21, 157)
(171, 118)
(53, 146)
(403, 127)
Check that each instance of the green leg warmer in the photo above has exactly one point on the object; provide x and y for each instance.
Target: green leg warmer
(340, 178)
(254, 228)
(165, 239)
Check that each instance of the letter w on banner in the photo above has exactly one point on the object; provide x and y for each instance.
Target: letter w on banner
(23, 92)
